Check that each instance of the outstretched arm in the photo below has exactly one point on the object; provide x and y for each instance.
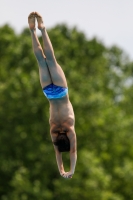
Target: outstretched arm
(73, 154)
(58, 156)
(59, 161)
(73, 159)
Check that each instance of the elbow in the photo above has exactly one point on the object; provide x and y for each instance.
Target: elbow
(73, 151)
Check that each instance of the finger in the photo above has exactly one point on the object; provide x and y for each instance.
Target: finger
(64, 176)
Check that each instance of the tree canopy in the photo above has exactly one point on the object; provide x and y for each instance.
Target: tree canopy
(100, 89)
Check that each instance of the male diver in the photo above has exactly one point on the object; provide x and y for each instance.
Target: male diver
(54, 86)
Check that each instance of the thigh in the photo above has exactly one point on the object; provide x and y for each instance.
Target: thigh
(44, 74)
(57, 74)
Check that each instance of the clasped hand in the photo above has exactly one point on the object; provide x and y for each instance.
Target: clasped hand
(67, 174)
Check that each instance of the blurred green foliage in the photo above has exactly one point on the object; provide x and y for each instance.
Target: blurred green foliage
(100, 87)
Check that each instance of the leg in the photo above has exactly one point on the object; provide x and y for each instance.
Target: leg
(56, 72)
(45, 78)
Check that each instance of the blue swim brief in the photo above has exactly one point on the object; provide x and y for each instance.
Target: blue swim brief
(54, 92)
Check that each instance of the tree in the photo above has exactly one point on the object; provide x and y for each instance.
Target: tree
(100, 88)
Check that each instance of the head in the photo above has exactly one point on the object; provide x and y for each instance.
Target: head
(62, 142)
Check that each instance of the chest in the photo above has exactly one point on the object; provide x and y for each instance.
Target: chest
(61, 125)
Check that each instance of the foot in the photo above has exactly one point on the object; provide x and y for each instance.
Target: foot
(39, 21)
(31, 21)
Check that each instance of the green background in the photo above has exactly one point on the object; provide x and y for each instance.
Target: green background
(100, 88)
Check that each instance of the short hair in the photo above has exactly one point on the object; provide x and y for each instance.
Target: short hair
(62, 142)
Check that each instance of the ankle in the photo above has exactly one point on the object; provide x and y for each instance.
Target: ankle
(42, 29)
(32, 30)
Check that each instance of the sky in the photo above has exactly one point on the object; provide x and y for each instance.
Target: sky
(111, 21)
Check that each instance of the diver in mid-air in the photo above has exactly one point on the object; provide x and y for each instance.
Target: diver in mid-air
(54, 86)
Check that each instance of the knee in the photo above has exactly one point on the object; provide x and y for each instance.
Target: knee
(51, 61)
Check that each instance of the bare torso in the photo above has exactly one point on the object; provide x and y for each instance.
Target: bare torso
(61, 115)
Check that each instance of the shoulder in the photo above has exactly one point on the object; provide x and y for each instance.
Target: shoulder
(71, 132)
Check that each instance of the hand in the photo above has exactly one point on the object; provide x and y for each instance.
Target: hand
(67, 174)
